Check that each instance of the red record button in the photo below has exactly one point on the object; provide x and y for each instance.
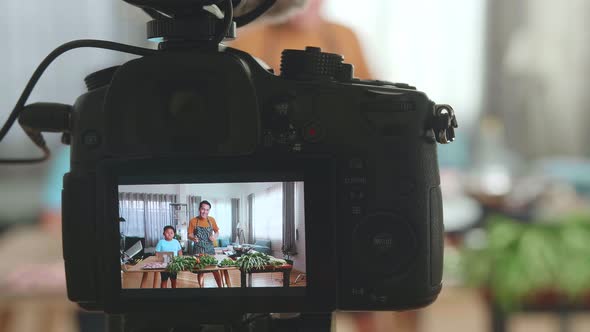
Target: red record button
(312, 132)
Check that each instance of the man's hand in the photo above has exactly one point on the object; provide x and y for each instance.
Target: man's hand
(193, 238)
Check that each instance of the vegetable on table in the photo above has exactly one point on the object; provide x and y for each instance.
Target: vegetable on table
(520, 261)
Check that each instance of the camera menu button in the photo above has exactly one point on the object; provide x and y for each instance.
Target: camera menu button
(382, 242)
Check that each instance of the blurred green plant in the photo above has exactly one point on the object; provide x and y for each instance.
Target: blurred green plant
(519, 261)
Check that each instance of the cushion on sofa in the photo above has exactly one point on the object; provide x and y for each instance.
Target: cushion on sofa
(263, 243)
(262, 246)
(222, 241)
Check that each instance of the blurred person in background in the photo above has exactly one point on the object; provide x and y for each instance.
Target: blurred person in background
(271, 34)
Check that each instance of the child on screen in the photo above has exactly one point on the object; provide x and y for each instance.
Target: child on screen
(169, 244)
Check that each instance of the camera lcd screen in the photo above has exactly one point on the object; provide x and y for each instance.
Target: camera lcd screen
(212, 235)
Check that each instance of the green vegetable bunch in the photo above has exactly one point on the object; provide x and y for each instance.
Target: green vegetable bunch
(253, 261)
(183, 263)
(190, 263)
(520, 260)
(228, 262)
(276, 261)
(208, 260)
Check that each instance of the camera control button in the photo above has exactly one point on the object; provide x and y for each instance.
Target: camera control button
(356, 210)
(385, 243)
(356, 195)
(355, 180)
(313, 132)
(356, 163)
(358, 291)
(312, 64)
(382, 242)
(267, 140)
(91, 139)
(379, 298)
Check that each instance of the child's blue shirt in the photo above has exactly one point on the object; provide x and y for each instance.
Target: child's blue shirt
(172, 245)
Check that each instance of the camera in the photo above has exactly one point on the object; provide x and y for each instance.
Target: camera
(337, 173)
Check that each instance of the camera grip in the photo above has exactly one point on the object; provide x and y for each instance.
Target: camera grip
(78, 229)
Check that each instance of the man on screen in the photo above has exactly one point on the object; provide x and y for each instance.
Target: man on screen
(203, 231)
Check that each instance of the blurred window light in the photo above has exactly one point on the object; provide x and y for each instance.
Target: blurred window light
(437, 46)
(496, 180)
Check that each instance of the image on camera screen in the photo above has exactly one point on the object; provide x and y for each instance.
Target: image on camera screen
(212, 235)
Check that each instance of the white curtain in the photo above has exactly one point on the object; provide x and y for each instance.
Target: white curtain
(157, 216)
(544, 76)
(145, 215)
(267, 214)
(299, 259)
(132, 209)
(221, 211)
(289, 245)
(193, 205)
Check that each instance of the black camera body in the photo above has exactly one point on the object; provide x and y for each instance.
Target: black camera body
(366, 151)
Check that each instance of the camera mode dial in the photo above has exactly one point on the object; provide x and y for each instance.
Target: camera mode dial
(313, 64)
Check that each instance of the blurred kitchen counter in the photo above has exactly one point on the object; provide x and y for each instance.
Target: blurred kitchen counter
(50, 313)
(32, 283)
(464, 309)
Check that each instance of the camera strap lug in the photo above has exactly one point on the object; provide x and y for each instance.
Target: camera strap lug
(444, 123)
